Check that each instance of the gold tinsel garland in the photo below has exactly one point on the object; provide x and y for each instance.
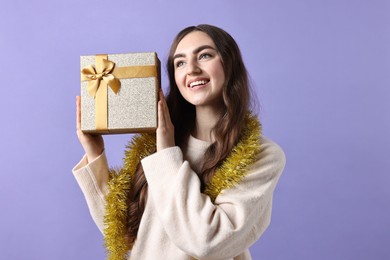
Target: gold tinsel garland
(119, 185)
(234, 168)
(229, 174)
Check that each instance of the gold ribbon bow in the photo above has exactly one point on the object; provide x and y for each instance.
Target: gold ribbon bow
(103, 73)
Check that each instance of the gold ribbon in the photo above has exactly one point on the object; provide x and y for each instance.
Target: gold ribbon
(107, 74)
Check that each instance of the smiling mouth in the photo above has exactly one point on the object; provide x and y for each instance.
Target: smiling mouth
(198, 83)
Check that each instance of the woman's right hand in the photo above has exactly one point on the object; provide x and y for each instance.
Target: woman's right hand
(93, 144)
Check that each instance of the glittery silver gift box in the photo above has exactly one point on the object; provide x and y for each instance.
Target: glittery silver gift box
(107, 108)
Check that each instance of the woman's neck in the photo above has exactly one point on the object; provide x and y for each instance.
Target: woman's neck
(206, 118)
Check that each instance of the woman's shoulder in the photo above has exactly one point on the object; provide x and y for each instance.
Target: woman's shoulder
(271, 153)
(267, 145)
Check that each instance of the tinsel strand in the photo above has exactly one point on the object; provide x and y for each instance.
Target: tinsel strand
(234, 168)
(119, 185)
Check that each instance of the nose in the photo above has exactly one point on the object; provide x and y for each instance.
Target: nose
(193, 68)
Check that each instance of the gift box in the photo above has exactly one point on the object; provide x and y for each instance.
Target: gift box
(119, 93)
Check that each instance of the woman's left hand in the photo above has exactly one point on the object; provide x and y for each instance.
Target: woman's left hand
(165, 129)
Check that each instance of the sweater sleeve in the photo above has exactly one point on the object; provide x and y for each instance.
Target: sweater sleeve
(222, 229)
(92, 178)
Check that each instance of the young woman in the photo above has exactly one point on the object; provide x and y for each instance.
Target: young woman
(202, 186)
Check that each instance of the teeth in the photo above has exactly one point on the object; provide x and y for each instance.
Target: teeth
(198, 82)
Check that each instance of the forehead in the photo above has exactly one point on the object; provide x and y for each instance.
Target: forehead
(192, 41)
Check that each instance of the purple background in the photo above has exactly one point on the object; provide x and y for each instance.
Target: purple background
(321, 70)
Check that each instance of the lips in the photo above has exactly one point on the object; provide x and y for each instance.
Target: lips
(197, 82)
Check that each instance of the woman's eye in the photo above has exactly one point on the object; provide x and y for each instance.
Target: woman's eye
(179, 64)
(204, 56)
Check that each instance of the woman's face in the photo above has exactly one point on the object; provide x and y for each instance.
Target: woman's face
(199, 73)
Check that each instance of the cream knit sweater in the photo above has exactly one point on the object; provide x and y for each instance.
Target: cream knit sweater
(179, 222)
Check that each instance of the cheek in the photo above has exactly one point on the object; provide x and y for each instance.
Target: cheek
(179, 82)
(219, 74)
(178, 79)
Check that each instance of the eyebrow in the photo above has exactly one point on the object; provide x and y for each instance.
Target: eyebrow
(197, 50)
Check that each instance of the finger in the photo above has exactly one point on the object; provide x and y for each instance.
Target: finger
(164, 102)
(161, 95)
(161, 117)
(78, 112)
(165, 107)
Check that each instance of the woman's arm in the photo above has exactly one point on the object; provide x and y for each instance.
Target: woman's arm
(204, 229)
(91, 172)
(92, 178)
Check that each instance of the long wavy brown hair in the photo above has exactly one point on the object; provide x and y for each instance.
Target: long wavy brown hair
(236, 98)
